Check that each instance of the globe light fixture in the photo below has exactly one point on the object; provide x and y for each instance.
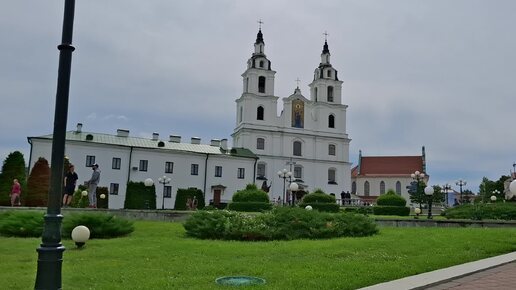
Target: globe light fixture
(148, 182)
(284, 174)
(308, 207)
(102, 196)
(80, 234)
(429, 192)
(493, 198)
(417, 211)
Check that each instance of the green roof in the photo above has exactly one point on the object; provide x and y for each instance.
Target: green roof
(100, 138)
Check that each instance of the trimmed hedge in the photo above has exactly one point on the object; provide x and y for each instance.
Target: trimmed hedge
(251, 193)
(327, 207)
(391, 199)
(184, 193)
(491, 211)
(391, 210)
(359, 209)
(249, 206)
(318, 196)
(101, 226)
(139, 196)
(21, 223)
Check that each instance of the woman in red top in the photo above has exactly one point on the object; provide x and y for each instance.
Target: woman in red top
(15, 193)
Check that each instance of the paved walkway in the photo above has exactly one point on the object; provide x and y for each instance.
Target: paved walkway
(492, 273)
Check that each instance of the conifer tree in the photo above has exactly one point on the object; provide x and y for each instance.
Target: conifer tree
(13, 167)
(38, 184)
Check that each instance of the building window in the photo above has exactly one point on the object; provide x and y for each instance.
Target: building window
(260, 170)
(331, 176)
(113, 188)
(354, 187)
(366, 188)
(330, 94)
(331, 121)
(169, 167)
(218, 171)
(241, 173)
(194, 169)
(144, 165)
(260, 143)
(331, 149)
(328, 73)
(261, 84)
(90, 160)
(261, 63)
(167, 191)
(246, 88)
(298, 172)
(259, 113)
(398, 187)
(241, 113)
(116, 163)
(382, 187)
(297, 148)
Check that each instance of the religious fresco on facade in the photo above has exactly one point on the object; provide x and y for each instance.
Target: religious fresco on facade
(298, 113)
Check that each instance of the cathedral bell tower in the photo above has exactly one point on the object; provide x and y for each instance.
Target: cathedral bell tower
(326, 86)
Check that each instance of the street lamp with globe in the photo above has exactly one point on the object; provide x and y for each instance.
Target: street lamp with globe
(284, 174)
(294, 187)
(461, 183)
(418, 177)
(429, 192)
(164, 180)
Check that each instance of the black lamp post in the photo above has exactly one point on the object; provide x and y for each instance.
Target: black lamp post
(50, 251)
(429, 192)
(164, 180)
(461, 183)
(418, 177)
(446, 188)
(284, 174)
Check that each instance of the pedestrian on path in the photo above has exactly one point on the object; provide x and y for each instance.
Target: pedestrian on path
(92, 186)
(15, 193)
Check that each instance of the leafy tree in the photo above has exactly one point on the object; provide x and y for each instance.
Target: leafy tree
(487, 187)
(38, 184)
(439, 196)
(417, 195)
(13, 167)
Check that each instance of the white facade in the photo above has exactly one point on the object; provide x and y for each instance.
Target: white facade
(316, 126)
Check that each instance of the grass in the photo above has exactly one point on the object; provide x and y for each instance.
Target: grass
(158, 256)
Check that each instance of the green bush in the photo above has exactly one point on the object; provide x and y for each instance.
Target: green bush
(12, 167)
(359, 209)
(318, 196)
(78, 200)
(391, 199)
(139, 196)
(21, 223)
(491, 211)
(391, 210)
(184, 193)
(102, 202)
(251, 193)
(249, 206)
(101, 226)
(283, 223)
(328, 207)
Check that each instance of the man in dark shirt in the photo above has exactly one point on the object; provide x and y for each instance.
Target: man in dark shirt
(70, 182)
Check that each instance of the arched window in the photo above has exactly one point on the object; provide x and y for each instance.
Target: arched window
(241, 113)
(330, 94)
(398, 187)
(382, 187)
(259, 113)
(354, 187)
(261, 84)
(260, 170)
(298, 172)
(297, 148)
(331, 149)
(366, 188)
(260, 143)
(246, 88)
(331, 176)
(261, 63)
(315, 94)
(331, 121)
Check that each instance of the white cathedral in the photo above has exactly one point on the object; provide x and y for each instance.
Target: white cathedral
(308, 138)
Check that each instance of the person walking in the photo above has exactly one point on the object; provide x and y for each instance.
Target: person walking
(70, 182)
(15, 193)
(92, 186)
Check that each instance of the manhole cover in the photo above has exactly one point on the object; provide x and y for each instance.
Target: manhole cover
(239, 280)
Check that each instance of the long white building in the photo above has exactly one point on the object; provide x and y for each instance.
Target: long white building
(308, 138)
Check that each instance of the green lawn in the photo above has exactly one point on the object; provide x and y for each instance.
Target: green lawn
(158, 256)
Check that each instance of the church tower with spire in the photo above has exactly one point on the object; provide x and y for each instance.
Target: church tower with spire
(308, 138)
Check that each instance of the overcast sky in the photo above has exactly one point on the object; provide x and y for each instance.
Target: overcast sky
(434, 73)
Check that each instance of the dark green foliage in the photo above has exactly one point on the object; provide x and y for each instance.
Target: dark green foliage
(391, 199)
(328, 207)
(21, 224)
(101, 226)
(489, 211)
(183, 194)
(38, 184)
(251, 193)
(284, 223)
(102, 202)
(417, 194)
(139, 196)
(487, 187)
(13, 167)
(78, 199)
(249, 206)
(359, 209)
(318, 196)
(391, 210)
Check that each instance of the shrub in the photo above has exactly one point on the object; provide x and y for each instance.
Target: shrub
(139, 196)
(328, 207)
(318, 196)
(249, 206)
(251, 193)
(38, 184)
(102, 202)
(359, 209)
(13, 167)
(391, 210)
(21, 223)
(184, 193)
(494, 211)
(101, 226)
(78, 200)
(391, 199)
(208, 224)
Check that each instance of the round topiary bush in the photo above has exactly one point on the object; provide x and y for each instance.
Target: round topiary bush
(251, 193)
(318, 196)
(391, 199)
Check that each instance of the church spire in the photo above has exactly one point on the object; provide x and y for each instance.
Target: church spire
(325, 55)
(259, 37)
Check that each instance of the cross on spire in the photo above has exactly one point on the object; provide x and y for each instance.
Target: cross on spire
(260, 22)
(297, 81)
(325, 35)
